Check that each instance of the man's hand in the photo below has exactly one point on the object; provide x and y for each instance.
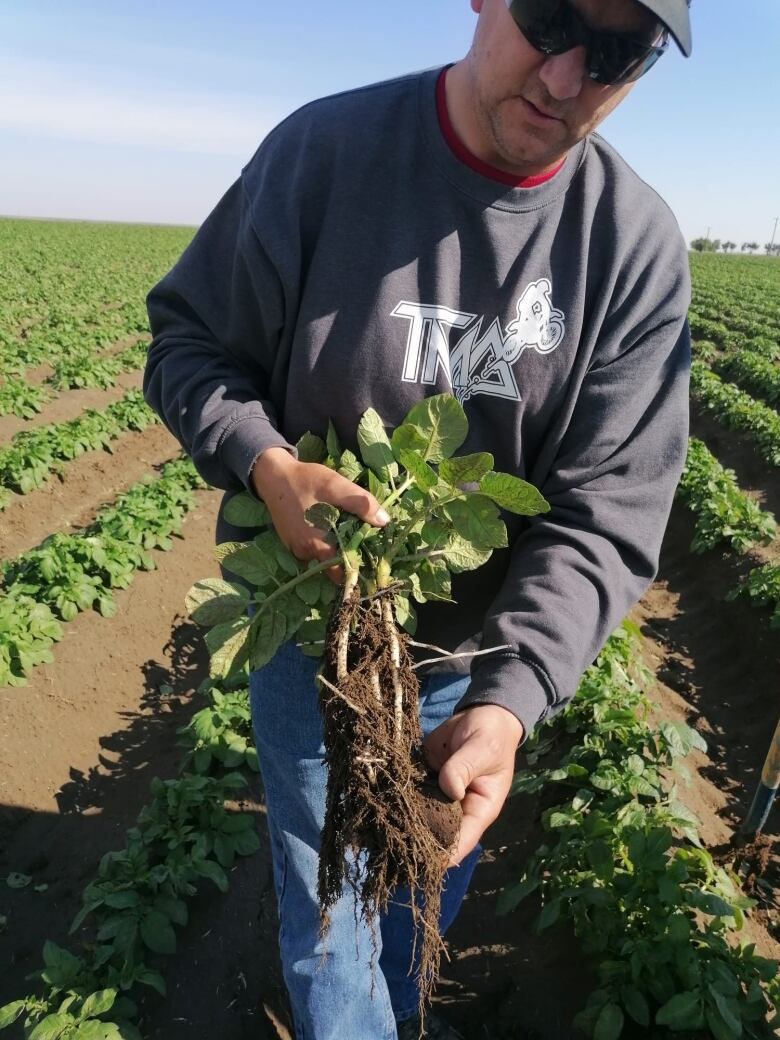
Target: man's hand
(288, 487)
(474, 754)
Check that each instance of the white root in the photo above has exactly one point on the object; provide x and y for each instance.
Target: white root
(375, 685)
(447, 655)
(343, 636)
(395, 657)
(342, 696)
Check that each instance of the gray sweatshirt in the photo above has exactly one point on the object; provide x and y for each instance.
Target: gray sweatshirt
(356, 263)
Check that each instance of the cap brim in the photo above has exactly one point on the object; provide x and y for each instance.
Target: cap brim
(675, 16)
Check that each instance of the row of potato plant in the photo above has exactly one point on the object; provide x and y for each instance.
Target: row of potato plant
(69, 573)
(66, 338)
(723, 511)
(189, 832)
(24, 400)
(737, 410)
(34, 455)
(623, 864)
(85, 368)
(762, 588)
(750, 372)
(730, 338)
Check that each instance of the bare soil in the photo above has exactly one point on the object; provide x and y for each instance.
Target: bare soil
(73, 499)
(80, 744)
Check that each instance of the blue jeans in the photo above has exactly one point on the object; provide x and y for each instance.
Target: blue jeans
(333, 994)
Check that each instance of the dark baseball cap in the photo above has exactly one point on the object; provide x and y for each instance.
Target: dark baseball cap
(675, 16)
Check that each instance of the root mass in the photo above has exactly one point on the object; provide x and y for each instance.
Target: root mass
(381, 797)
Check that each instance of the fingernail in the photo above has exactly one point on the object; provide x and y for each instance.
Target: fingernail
(382, 517)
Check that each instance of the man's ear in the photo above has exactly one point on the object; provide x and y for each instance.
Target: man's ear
(476, 6)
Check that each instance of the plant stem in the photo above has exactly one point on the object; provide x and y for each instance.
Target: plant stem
(422, 556)
(342, 645)
(403, 533)
(366, 530)
(332, 562)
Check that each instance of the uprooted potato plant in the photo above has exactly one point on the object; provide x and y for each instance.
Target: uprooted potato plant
(444, 518)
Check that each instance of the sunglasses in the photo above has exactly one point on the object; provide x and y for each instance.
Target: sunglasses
(554, 26)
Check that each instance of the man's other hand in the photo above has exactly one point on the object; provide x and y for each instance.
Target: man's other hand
(474, 755)
(288, 487)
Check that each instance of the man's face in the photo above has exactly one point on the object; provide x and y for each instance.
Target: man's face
(530, 108)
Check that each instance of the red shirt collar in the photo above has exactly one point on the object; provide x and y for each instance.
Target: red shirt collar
(465, 156)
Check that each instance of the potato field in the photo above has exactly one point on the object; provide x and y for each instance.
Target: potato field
(136, 896)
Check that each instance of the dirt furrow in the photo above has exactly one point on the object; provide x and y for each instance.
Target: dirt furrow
(87, 483)
(69, 405)
(738, 451)
(80, 744)
(104, 669)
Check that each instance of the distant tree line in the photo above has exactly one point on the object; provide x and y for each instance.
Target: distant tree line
(714, 245)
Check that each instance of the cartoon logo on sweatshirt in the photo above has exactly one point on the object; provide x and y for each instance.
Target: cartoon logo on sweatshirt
(480, 362)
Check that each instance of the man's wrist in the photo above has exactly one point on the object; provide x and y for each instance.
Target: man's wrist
(268, 465)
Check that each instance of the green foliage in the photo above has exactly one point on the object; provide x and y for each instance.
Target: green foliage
(738, 410)
(83, 368)
(444, 518)
(762, 588)
(651, 909)
(27, 631)
(69, 573)
(723, 512)
(132, 909)
(705, 245)
(34, 454)
(752, 372)
(220, 733)
(62, 283)
(22, 399)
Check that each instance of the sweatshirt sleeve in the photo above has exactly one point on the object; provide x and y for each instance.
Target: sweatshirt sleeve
(575, 571)
(216, 320)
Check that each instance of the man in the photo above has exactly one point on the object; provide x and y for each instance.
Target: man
(460, 230)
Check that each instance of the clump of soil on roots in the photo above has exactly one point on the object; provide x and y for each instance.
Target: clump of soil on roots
(381, 797)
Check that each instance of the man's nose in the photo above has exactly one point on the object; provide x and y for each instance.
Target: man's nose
(562, 74)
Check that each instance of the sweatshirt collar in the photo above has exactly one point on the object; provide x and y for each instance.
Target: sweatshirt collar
(477, 185)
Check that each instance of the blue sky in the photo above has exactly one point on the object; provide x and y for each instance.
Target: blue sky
(147, 111)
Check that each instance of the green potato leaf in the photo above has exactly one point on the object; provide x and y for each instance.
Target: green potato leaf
(99, 1003)
(212, 601)
(322, 515)
(682, 1011)
(228, 646)
(441, 422)
(374, 445)
(635, 1004)
(477, 520)
(51, 1027)
(269, 630)
(424, 477)
(245, 510)
(407, 438)
(249, 561)
(11, 1012)
(513, 494)
(609, 1024)
(466, 469)
(311, 448)
(350, 467)
(333, 445)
